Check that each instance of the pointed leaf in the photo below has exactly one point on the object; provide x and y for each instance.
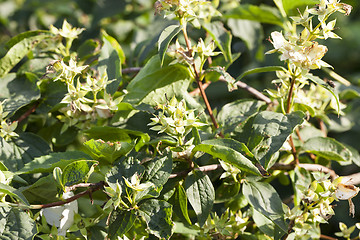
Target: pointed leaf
(328, 148)
(42, 191)
(122, 223)
(114, 134)
(16, 224)
(47, 163)
(77, 172)
(229, 151)
(200, 193)
(260, 70)
(262, 13)
(180, 204)
(158, 170)
(264, 199)
(152, 83)
(19, 151)
(13, 193)
(107, 151)
(272, 129)
(20, 47)
(244, 108)
(19, 91)
(165, 38)
(110, 62)
(157, 215)
(221, 36)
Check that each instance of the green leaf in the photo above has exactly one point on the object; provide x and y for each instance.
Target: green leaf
(110, 62)
(262, 13)
(47, 163)
(107, 151)
(122, 223)
(180, 204)
(20, 47)
(260, 70)
(243, 108)
(228, 78)
(200, 193)
(322, 83)
(152, 83)
(247, 30)
(77, 172)
(290, 4)
(42, 191)
(157, 215)
(19, 91)
(125, 168)
(221, 36)
(13, 193)
(158, 169)
(88, 49)
(19, 151)
(327, 148)
(264, 199)
(229, 151)
(269, 132)
(165, 38)
(266, 225)
(16, 224)
(114, 134)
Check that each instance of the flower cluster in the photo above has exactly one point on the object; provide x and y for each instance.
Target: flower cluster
(174, 119)
(6, 129)
(315, 207)
(300, 50)
(186, 9)
(228, 225)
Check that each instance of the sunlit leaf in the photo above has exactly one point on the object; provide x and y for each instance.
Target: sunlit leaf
(264, 199)
(165, 38)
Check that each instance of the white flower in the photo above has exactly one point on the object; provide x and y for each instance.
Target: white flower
(67, 31)
(62, 216)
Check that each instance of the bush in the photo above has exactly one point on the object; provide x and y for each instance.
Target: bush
(107, 131)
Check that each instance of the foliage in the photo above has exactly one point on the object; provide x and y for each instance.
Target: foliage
(106, 131)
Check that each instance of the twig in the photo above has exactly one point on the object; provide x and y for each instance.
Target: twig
(199, 82)
(131, 70)
(322, 236)
(28, 112)
(93, 188)
(207, 168)
(307, 166)
(251, 90)
(197, 90)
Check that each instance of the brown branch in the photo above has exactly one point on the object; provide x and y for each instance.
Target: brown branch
(322, 236)
(197, 90)
(94, 187)
(307, 166)
(252, 91)
(131, 70)
(199, 82)
(28, 112)
(206, 168)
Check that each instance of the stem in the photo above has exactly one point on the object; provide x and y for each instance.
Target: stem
(207, 168)
(288, 109)
(198, 81)
(94, 187)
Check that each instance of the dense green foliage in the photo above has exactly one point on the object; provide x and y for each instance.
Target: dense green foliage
(107, 132)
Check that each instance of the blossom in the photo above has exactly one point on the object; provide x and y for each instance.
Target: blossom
(62, 216)
(67, 31)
